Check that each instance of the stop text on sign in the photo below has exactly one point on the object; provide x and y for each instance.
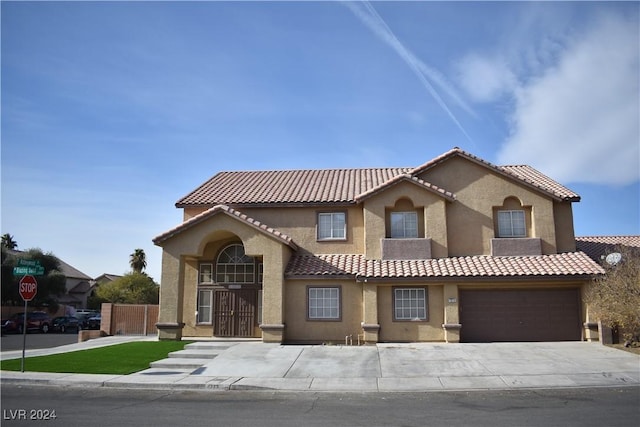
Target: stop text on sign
(28, 288)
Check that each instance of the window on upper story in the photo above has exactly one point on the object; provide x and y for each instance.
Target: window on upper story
(404, 225)
(323, 303)
(409, 304)
(332, 226)
(512, 223)
(233, 266)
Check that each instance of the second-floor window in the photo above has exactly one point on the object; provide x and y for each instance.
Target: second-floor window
(511, 224)
(332, 226)
(404, 225)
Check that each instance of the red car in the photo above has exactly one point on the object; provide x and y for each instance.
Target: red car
(36, 321)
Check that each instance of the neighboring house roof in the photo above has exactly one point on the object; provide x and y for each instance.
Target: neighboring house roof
(72, 272)
(226, 210)
(342, 186)
(570, 264)
(81, 288)
(598, 246)
(106, 277)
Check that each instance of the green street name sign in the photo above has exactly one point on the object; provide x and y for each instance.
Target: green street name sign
(29, 267)
(28, 263)
(31, 271)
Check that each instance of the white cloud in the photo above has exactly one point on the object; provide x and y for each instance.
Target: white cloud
(579, 121)
(485, 79)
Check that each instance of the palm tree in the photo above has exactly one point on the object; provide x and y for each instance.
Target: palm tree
(138, 260)
(8, 242)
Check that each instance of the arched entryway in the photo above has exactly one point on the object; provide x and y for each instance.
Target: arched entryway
(229, 292)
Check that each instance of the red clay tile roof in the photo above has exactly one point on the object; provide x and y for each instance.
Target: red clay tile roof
(526, 174)
(288, 187)
(407, 178)
(341, 186)
(222, 209)
(539, 180)
(598, 246)
(570, 264)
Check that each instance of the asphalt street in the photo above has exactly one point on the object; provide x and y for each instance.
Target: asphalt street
(11, 342)
(584, 407)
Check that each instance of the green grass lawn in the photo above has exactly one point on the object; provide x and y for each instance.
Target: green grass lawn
(119, 359)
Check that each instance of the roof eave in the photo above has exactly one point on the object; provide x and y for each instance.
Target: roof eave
(222, 209)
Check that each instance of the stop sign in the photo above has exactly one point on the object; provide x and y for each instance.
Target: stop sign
(28, 288)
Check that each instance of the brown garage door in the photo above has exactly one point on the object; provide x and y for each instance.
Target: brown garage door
(520, 315)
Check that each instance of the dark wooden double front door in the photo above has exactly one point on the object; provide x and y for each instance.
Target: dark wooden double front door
(234, 313)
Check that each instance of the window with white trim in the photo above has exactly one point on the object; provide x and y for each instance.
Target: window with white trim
(332, 226)
(205, 303)
(324, 303)
(233, 266)
(410, 304)
(511, 224)
(404, 225)
(206, 273)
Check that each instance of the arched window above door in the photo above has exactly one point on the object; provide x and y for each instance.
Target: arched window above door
(234, 266)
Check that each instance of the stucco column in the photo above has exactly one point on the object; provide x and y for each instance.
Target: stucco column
(170, 322)
(435, 216)
(275, 261)
(373, 214)
(370, 324)
(451, 305)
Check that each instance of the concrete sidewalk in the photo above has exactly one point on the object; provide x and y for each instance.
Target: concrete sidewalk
(415, 367)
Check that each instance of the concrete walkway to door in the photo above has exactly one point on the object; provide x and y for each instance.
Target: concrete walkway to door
(416, 367)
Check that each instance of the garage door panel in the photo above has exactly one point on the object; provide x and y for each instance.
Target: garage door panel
(520, 315)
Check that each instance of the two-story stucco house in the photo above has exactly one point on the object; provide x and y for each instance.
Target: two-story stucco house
(456, 249)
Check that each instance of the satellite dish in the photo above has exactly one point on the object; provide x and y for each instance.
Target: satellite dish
(613, 258)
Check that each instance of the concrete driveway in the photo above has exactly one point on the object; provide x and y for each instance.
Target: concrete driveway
(420, 366)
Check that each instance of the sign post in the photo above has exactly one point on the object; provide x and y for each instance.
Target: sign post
(28, 288)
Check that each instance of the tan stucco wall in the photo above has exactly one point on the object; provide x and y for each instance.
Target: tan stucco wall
(299, 328)
(171, 295)
(409, 331)
(178, 294)
(478, 190)
(433, 209)
(565, 235)
(300, 225)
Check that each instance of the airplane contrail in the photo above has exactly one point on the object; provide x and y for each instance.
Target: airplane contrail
(370, 17)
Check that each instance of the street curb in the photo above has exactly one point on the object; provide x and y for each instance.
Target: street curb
(230, 384)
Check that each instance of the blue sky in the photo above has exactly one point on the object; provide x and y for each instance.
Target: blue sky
(112, 111)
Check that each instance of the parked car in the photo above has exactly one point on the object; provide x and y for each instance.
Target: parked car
(94, 322)
(65, 323)
(84, 315)
(10, 324)
(36, 321)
